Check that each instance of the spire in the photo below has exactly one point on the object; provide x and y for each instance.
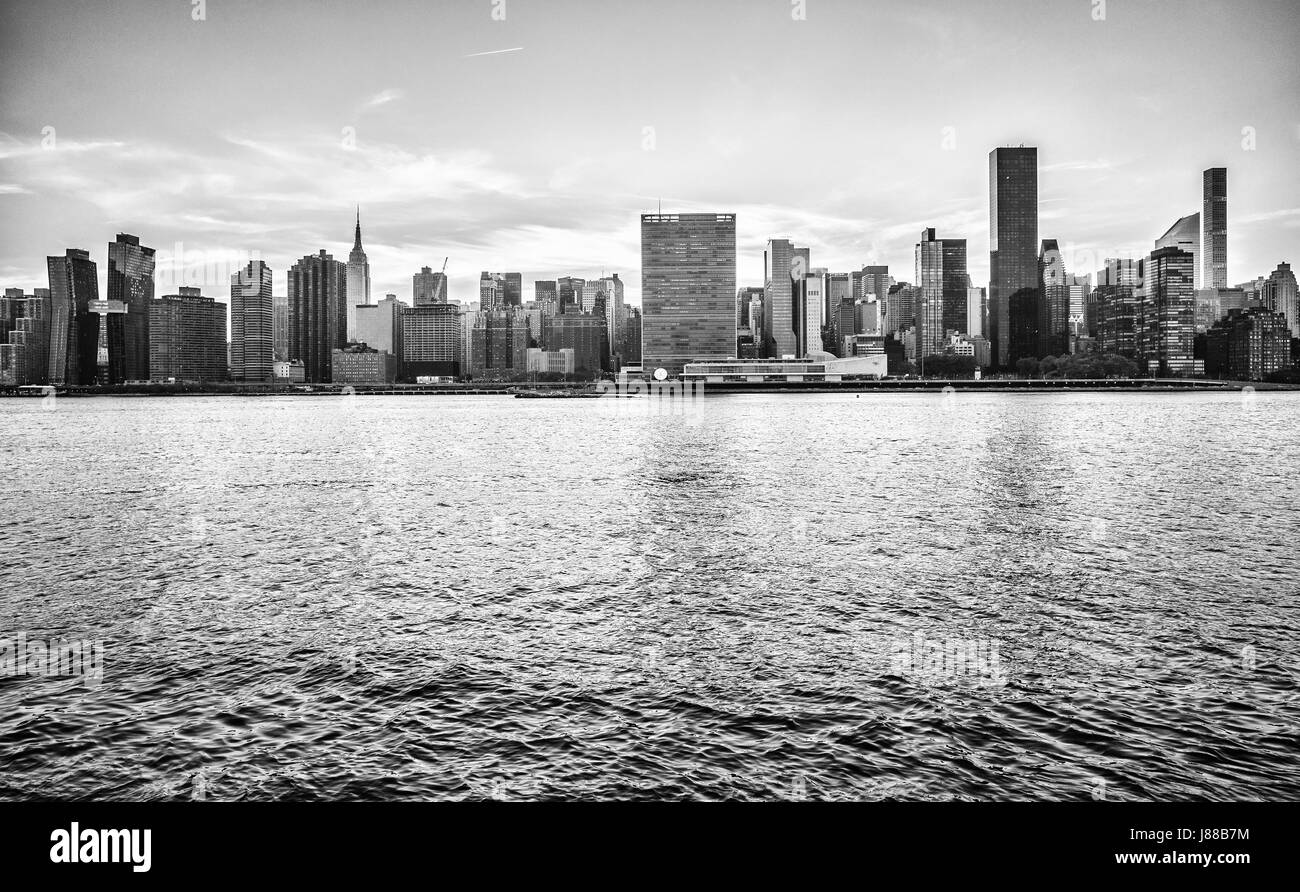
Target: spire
(357, 245)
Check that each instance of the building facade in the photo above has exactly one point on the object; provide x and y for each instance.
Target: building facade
(1214, 233)
(252, 324)
(1167, 328)
(1013, 254)
(688, 287)
(317, 313)
(130, 280)
(74, 283)
(187, 337)
(1248, 345)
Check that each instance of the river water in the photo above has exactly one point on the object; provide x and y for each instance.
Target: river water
(785, 596)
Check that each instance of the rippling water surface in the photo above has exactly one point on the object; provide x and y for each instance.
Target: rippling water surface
(978, 596)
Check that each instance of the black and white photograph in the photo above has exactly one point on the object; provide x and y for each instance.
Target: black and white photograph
(818, 432)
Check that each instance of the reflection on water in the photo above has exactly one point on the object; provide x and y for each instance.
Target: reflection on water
(973, 596)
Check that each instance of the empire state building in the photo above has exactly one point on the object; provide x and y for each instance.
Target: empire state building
(358, 281)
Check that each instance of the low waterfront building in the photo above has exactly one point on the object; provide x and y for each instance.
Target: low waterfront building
(550, 361)
(290, 370)
(360, 364)
(786, 371)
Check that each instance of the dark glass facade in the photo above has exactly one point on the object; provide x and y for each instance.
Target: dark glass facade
(130, 280)
(74, 283)
(1013, 254)
(1053, 302)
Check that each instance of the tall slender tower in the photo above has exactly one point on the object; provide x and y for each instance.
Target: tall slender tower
(130, 280)
(1013, 254)
(1214, 235)
(252, 310)
(358, 281)
(74, 283)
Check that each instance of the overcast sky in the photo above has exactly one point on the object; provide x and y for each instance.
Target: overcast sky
(522, 145)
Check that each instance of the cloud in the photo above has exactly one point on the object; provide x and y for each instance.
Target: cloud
(383, 97)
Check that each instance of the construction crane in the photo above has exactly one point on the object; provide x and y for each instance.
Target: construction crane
(444, 277)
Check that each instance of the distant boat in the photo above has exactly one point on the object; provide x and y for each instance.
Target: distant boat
(555, 394)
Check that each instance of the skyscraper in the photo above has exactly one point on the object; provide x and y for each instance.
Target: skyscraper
(130, 280)
(1013, 254)
(1168, 322)
(1279, 295)
(1185, 235)
(428, 287)
(942, 279)
(779, 320)
(25, 337)
(74, 283)
(187, 336)
(358, 285)
(317, 314)
(432, 340)
(1214, 235)
(252, 324)
(1117, 307)
(688, 288)
(514, 289)
(1053, 302)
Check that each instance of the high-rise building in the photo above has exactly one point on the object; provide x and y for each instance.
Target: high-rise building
(1214, 235)
(632, 338)
(1185, 235)
(779, 319)
(432, 340)
(107, 327)
(584, 334)
(187, 336)
(252, 324)
(25, 337)
(317, 313)
(1118, 301)
(810, 304)
(1168, 314)
(74, 283)
(942, 278)
(499, 343)
(130, 280)
(546, 295)
(1248, 345)
(280, 325)
(688, 288)
(1053, 302)
(1013, 254)
(976, 310)
(358, 284)
(379, 326)
(513, 289)
(1279, 295)
(748, 298)
(428, 287)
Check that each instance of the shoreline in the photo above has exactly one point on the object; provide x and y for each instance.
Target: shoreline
(640, 388)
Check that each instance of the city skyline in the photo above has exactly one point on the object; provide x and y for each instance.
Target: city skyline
(201, 166)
